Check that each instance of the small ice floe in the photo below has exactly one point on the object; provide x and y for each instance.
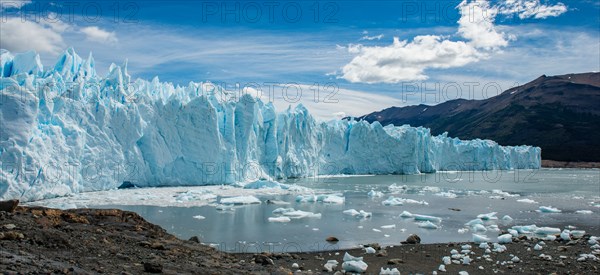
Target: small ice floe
(394, 188)
(463, 230)
(480, 238)
(195, 195)
(282, 210)
(525, 229)
(527, 201)
(493, 228)
(506, 238)
(334, 199)
(370, 250)
(375, 194)
(513, 232)
(394, 201)
(389, 271)
(263, 184)
(547, 231)
(449, 195)
(418, 217)
(376, 230)
(390, 226)
(279, 219)
(507, 219)
(406, 214)
(324, 198)
(488, 216)
(299, 214)
(360, 214)
(240, 200)
(471, 223)
(548, 209)
(427, 225)
(587, 212)
(479, 228)
(199, 217)
(330, 265)
(278, 202)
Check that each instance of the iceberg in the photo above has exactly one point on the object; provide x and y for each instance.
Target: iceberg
(240, 200)
(65, 130)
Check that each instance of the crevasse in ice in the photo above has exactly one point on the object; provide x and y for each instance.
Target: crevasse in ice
(66, 129)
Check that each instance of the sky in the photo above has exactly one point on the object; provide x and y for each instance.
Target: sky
(336, 57)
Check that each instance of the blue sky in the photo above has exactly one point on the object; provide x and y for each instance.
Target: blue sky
(377, 53)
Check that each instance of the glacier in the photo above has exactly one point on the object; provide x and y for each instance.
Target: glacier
(65, 130)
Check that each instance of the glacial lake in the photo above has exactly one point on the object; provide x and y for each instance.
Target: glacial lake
(455, 197)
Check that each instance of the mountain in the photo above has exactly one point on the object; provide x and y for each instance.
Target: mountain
(560, 114)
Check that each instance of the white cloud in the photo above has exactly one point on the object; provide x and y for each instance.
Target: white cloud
(97, 34)
(531, 8)
(407, 61)
(376, 37)
(19, 36)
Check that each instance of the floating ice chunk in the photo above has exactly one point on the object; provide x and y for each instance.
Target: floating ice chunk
(279, 219)
(348, 257)
(506, 238)
(355, 266)
(299, 214)
(375, 194)
(527, 201)
(278, 202)
(525, 229)
(537, 247)
(391, 226)
(550, 238)
(376, 230)
(447, 260)
(389, 271)
(370, 250)
(547, 231)
(442, 267)
(507, 219)
(493, 227)
(463, 230)
(394, 188)
(406, 214)
(199, 217)
(418, 217)
(240, 200)
(480, 238)
(306, 198)
(584, 212)
(394, 201)
(548, 209)
(488, 216)
(335, 199)
(450, 195)
(331, 265)
(479, 228)
(262, 184)
(513, 232)
(427, 225)
(282, 210)
(351, 212)
(474, 222)
(204, 195)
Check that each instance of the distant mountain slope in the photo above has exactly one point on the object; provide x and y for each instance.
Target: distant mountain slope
(560, 114)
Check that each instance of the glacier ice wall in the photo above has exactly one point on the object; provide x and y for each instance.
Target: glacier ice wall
(66, 129)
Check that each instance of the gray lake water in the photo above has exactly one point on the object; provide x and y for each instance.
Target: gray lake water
(247, 229)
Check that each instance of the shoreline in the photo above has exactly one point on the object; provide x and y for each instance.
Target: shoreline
(90, 241)
(569, 164)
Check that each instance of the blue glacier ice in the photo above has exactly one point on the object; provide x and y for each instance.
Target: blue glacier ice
(65, 129)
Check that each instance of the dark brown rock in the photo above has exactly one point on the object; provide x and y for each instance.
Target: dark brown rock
(412, 239)
(332, 239)
(9, 205)
(395, 261)
(263, 259)
(153, 267)
(195, 239)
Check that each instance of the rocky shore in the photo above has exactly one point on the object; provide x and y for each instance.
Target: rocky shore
(35, 240)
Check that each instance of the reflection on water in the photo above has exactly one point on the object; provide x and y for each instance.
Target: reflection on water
(247, 229)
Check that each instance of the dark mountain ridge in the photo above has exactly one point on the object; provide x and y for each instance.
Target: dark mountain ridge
(560, 114)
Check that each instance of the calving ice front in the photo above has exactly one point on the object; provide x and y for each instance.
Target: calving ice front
(66, 130)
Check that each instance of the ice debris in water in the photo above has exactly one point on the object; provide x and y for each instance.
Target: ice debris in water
(427, 225)
(547, 230)
(584, 212)
(262, 184)
(418, 217)
(488, 216)
(196, 134)
(325, 198)
(548, 209)
(375, 194)
(506, 238)
(279, 219)
(394, 201)
(480, 238)
(527, 201)
(406, 214)
(240, 200)
(199, 217)
(360, 214)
